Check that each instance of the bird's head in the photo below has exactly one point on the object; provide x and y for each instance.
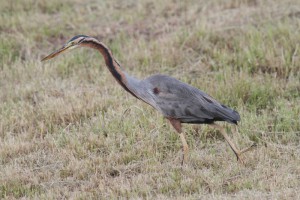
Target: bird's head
(71, 44)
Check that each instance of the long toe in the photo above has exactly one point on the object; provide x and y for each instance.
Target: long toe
(248, 148)
(240, 158)
(182, 160)
(184, 157)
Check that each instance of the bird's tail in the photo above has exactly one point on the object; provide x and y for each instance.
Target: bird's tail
(229, 115)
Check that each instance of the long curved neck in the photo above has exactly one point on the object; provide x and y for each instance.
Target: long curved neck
(110, 62)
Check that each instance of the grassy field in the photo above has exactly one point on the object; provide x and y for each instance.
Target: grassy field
(69, 131)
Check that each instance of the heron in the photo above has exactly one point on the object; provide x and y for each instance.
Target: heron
(177, 101)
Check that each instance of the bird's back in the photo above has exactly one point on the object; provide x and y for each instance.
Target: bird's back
(186, 103)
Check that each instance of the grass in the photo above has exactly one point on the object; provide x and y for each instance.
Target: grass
(68, 130)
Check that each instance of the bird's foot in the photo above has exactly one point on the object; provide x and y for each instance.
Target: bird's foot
(184, 160)
(185, 152)
(239, 154)
(185, 149)
(240, 158)
(249, 148)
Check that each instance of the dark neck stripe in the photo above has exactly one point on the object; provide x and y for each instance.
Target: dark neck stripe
(110, 63)
(81, 40)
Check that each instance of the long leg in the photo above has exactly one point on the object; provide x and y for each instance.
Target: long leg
(232, 146)
(185, 148)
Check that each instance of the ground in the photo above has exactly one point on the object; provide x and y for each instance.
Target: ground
(69, 131)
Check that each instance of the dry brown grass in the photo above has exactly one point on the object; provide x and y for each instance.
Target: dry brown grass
(68, 131)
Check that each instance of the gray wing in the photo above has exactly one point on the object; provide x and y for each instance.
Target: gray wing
(188, 104)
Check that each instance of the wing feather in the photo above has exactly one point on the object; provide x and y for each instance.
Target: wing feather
(188, 104)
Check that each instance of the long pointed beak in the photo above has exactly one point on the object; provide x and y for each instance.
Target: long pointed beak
(55, 53)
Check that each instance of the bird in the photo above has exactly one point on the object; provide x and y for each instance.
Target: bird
(177, 101)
